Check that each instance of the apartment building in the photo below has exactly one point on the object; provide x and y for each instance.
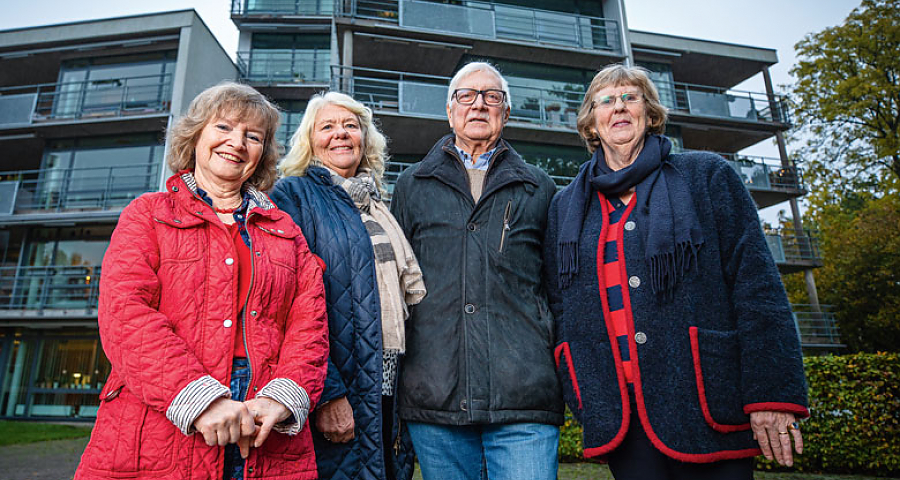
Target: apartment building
(84, 107)
(83, 111)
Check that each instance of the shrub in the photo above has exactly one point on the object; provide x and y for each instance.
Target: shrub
(854, 425)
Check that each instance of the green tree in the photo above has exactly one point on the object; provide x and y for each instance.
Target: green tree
(847, 101)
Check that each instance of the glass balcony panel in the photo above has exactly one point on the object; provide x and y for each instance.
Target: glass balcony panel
(754, 175)
(447, 18)
(708, 103)
(774, 242)
(817, 327)
(423, 98)
(16, 109)
(8, 192)
(51, 287)
(285, 65)
(284, 7)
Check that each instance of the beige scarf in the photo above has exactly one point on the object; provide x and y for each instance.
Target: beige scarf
(399, 278)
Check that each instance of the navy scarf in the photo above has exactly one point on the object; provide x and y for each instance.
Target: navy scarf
(664, 213)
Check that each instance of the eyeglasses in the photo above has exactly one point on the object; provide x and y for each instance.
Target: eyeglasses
(609, 101)
(491, 96)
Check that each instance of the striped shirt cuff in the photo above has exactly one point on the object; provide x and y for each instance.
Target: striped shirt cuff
(286, 392)
(193, 400)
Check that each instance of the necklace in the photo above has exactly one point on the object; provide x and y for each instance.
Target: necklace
(226, 211)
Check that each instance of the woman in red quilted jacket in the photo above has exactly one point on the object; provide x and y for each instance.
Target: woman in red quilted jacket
(212, 313)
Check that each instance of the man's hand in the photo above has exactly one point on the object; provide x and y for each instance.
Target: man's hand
(335, 420)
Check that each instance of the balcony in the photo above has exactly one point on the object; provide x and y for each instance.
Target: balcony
(300, 8)
(43, 291)
(818, 328)
(492, 21)
(717, 102)
(792, 251)
(768, 180)
(294, 67)
(28, 196)
(57, 102)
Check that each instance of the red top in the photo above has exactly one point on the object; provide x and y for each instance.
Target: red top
(243, 274)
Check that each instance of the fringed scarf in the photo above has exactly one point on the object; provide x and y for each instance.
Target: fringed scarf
(664, 214)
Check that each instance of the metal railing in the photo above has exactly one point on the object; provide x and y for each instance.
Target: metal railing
(58, 190)
(50, 288)
(491, 20)
(77, 100)
(788, 245)
(721, 102)
(285, 66)
(306, 8)
(765, 173)
(817, 328)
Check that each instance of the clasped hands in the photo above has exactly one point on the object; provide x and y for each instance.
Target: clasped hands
(227, 421)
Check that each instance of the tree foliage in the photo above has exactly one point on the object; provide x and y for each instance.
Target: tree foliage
(847, 101)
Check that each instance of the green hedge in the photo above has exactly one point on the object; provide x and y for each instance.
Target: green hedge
(855, 422)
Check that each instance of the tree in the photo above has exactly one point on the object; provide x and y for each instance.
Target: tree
(847, 101)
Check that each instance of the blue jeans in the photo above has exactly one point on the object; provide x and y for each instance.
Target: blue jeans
(240, 383)
(517, 451)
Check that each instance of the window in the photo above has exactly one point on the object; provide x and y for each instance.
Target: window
(298, 58)
(561, 162)
(661, 75)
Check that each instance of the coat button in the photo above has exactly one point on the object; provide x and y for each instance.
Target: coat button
(227, 323)
(470, 308)
(640, 338)
(177, 220)
(174, 189)
(229, 261)
(634, 281)
(280, 230)
(258, 253)
(253, 313)
(629, 225)
(462, 405)
(472, 227)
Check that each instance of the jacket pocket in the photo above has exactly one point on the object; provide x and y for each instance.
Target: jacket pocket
(567, 376)
(716, 358)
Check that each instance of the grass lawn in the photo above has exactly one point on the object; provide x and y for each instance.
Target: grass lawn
(593, 471)
(12, 433)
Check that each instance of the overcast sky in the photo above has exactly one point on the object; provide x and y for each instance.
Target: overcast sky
(777, 24)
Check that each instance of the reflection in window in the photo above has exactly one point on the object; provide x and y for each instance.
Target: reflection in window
(295, 58)
(559, 161)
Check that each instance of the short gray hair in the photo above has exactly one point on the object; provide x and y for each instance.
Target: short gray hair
(474, 67)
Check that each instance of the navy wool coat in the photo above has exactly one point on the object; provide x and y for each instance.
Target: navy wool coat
(725, 346)
(332, 226)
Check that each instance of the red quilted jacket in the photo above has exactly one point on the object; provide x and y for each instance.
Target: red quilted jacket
(166, 291)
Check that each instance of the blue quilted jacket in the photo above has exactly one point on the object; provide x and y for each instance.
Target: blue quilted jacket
(335, 232)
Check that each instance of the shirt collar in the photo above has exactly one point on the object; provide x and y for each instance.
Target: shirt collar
(481, 163)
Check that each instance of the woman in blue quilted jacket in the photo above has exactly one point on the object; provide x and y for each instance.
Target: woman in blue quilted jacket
(332, 190)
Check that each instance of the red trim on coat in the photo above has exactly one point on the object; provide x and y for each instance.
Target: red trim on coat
(610, 331)
(798, 410)
(701, 390)
(563, 348)
(638, 385)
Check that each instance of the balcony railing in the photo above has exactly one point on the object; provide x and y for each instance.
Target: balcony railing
(285, 66)
(75, 189)
(720, 102)
(817, 327)
(765, 173)
(790, 246)
(305, 8)
(49, 288)
(25, 105)
(493, 21)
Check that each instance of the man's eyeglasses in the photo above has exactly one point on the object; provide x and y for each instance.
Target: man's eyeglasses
(491, 96)
(609, 101)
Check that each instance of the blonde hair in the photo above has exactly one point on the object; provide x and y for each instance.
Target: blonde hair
(227, 100)
(301, 156)
(619, 75)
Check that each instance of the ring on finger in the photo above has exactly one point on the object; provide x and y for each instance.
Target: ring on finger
(782, 433)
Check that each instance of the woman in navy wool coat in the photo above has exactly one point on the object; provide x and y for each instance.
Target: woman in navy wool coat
(676, 345)
(332, 190)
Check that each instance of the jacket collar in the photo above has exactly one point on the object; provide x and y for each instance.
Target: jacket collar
(506, 167)
(183, 187)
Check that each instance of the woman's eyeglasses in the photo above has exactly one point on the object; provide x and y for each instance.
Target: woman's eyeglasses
(491, 96)
(609, 101)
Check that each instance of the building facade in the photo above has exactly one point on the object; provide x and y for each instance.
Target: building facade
(83, 111)
(84, 107)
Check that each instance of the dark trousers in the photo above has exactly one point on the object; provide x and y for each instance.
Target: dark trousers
(637, 459)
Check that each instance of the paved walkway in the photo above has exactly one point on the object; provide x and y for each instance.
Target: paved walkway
(54, 460)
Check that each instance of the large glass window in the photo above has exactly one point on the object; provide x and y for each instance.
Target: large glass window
(291, 115)
(291, 7)
(661, 75)
(113, 84)
(92, 173)
(58, 374)
(300, 58)
(561, 162)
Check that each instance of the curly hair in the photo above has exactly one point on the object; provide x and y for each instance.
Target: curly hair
(618, 75)
(301, 156)
(227, 100)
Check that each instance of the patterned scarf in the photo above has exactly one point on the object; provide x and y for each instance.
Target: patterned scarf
(665, 213)
(399, 278)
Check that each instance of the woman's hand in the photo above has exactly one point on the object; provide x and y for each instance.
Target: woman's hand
(773, 431)
(226, 421)
(335, 420)
(266, 413)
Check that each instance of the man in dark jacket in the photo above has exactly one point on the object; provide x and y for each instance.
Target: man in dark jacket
(478, 387)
